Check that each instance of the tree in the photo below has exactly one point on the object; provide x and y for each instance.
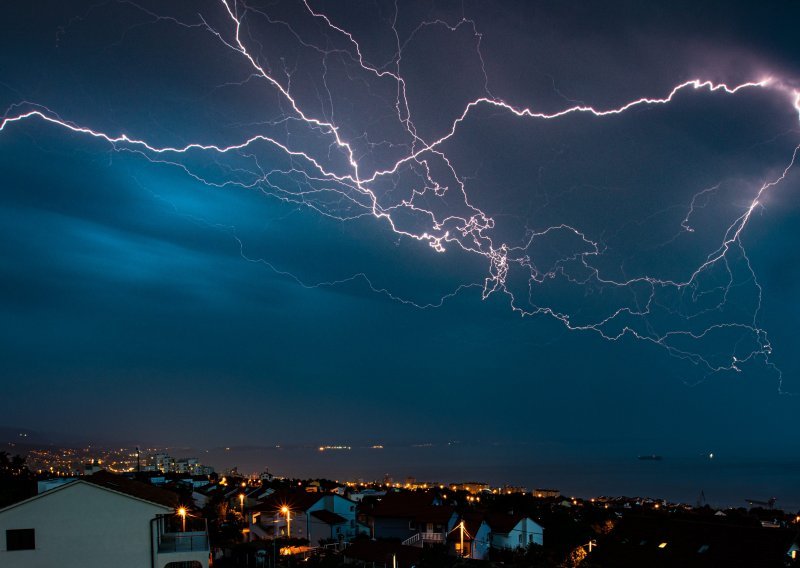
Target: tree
(16, 480)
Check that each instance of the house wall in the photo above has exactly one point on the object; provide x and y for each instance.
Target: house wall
(317, 531)
(526, 531)
(399, 527)
(305, 525)
(392, 527)
(481, 544)
(81, 526)
(345, 508)
(300, 525)
(164, 560)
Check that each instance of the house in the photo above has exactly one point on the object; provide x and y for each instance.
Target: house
(514, 531)
(479, 532)
(316, 517)
(473, 531)
(100, 521)
(241, 495)
(415, 518)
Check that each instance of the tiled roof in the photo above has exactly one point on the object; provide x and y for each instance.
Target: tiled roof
(502, 523)
(411, 506)
(296, 501)
(137, 489)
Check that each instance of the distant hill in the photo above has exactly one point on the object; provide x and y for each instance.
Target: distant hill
(27, 437)
(11, 435)
(33, 438)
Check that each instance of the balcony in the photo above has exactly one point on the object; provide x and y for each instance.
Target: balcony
(174, 534)
(423, 538)
(196, 541)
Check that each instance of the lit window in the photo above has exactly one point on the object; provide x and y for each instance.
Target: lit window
(662, 545)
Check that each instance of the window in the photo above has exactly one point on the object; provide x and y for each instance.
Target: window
(21, 539)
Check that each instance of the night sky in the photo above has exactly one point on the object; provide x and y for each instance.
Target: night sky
(605, 282)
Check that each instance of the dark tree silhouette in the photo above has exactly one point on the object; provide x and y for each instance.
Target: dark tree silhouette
(16, 480)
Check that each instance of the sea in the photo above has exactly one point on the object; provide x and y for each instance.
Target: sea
(719, 480)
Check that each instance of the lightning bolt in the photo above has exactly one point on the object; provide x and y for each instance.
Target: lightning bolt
(337, 183)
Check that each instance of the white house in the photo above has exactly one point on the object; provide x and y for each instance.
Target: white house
(510, 531)
(312, 516)
(97, 522)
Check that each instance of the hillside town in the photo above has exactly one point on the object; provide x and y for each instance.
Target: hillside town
(182, 514)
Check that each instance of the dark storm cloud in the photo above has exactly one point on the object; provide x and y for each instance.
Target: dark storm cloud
(125, 294)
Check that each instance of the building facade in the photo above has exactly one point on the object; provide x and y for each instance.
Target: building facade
(514, 532)
(85, 525)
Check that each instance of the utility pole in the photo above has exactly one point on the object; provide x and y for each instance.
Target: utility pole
(286, 511)
(461, 526)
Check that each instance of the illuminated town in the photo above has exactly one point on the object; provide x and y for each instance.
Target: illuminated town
(261, 519)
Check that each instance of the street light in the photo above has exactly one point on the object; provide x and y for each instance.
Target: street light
(182, 513)
(285, 510)
(241, 502)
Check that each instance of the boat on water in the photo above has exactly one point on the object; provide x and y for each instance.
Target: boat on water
(651, 457)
